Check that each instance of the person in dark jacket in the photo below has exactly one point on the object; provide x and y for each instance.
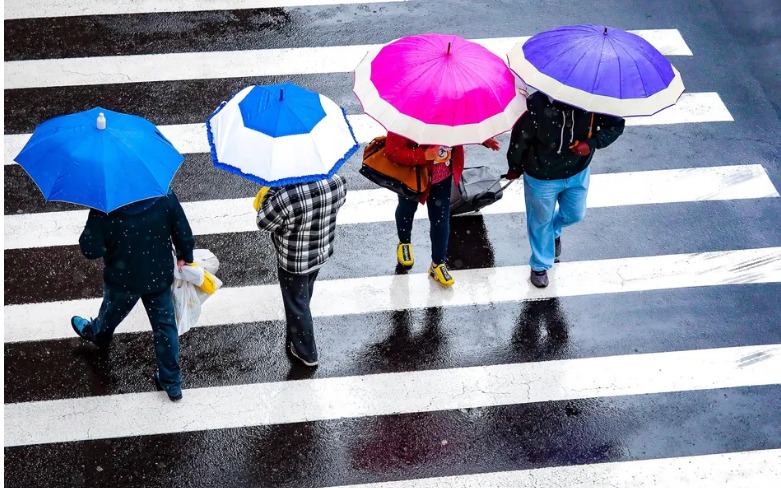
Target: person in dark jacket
(135, 244)
(445, 167)
(552, 145)
(301, 218)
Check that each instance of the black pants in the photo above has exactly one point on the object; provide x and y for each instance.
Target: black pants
(297, 292)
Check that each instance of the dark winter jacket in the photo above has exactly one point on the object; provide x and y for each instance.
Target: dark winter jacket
(135, 243)
(540, 140)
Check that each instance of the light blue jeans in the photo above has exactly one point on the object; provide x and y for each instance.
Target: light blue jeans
(544, 221)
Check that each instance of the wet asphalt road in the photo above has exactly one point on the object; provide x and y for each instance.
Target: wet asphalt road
(736, 53)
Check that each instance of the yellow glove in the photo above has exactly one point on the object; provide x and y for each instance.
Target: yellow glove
(259, 198)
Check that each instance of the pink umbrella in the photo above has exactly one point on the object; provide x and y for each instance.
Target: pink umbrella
(439, 89)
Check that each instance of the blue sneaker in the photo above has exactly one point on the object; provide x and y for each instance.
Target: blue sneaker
(174, 392)
(83, 329)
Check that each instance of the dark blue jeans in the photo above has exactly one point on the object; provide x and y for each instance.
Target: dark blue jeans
(160, 310)
(297, 291)
(438, 205)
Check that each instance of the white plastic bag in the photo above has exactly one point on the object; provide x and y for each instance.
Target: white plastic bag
(206, 259)
(187, 293)
(187, 305)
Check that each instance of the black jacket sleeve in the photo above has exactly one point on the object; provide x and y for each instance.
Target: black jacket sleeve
(181, 234)
(520, 140)
(92, 241)
(608, 130)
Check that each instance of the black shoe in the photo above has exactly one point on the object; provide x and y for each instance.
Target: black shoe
(308, 361)
(557, 253)
(175, 394)
(539, 278)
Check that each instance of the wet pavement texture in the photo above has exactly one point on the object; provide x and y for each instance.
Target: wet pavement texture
(736, 52)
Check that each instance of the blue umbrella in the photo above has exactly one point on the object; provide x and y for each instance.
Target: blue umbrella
(599, 69)
(279, 135)
(100, 158)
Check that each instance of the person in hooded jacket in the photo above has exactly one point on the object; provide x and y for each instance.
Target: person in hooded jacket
(552, 145)
(135, 244)
(445, 167)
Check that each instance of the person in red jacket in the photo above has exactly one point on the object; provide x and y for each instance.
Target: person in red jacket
(446, 165)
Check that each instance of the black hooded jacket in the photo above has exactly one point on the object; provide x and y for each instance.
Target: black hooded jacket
(135, 243)
(540, 140)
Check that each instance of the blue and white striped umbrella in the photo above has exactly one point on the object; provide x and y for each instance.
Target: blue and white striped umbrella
(281, 134)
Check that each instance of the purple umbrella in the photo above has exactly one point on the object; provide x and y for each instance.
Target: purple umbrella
(599, 69)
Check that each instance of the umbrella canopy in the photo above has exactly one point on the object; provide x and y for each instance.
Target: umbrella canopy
(599, 69)
(439, 89)
(100, 158)
(280, 134)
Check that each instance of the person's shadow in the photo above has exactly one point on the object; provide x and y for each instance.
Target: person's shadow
(541, 332)
(468, 246)
(393, 442)
(406, 349)
(559, 432)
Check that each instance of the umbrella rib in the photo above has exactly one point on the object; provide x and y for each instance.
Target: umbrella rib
(621, 88)
(599, 63)
(422, 74)
(484, 79)
(655, 71)
(146, 169)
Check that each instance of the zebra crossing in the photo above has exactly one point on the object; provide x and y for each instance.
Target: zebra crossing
(653, 359)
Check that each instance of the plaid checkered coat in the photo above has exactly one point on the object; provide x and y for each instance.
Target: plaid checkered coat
(302, 222)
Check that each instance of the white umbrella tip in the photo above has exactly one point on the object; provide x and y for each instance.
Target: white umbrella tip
(101, 121)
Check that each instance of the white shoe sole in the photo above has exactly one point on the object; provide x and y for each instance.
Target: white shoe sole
(311, 364)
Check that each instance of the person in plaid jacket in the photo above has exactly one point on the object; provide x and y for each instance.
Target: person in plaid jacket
(302, 220)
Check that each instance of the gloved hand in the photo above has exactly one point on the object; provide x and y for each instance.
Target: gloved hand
(259, 198)
(491, 144)
(431, 152)
(512, 175)
(580, 148)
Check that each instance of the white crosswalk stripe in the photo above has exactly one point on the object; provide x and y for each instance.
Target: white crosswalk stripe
(191, 138)
(366, 206)
(735, 469)
(81, 417)
(393, 393)
(232, 64)
(20, 9)
(401, 292)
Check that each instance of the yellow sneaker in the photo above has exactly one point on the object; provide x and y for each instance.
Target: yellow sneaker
(404, 255)
(441, 275)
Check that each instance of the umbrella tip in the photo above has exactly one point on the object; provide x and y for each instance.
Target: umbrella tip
(448, 48)
(605, 33)
(280, 94)
(101, 121)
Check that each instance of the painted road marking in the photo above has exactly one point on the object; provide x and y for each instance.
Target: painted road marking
(746, 469)
(191, 138)
(237, 305)
(141, 414)
(140, 68)
(366, 206)
(23, 9)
